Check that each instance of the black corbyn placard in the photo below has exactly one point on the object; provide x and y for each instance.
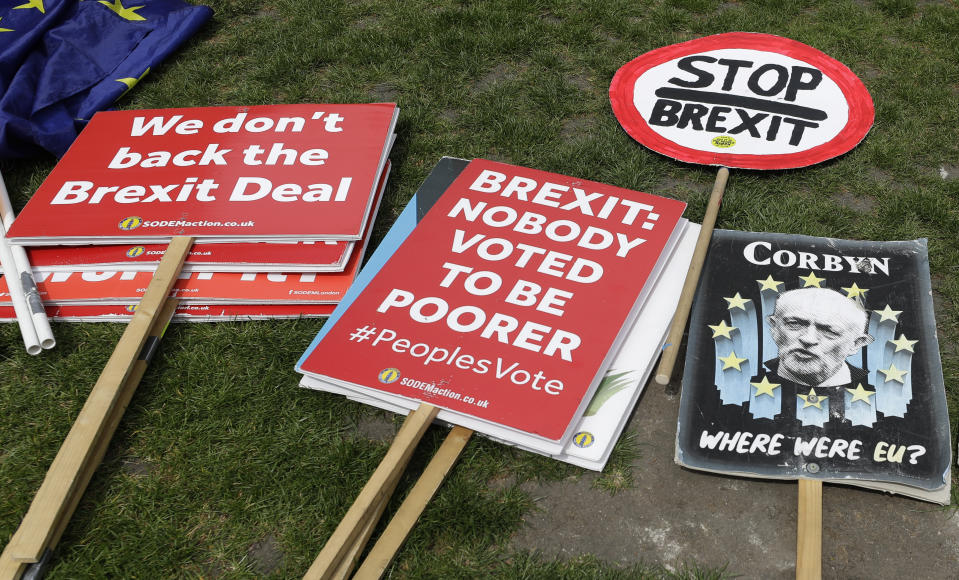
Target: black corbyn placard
(746, 100)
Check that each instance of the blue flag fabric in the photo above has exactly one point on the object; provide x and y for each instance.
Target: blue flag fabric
(61, 61)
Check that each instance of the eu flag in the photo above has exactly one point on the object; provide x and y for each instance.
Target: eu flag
(63, 60)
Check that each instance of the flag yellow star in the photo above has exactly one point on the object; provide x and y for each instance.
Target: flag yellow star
(131, 82)
(888, 314)
(737, 301)
(894, 374)
(769, 284)
(860, 394)
(732, 361)
(811, 399)
(903, 343)
(812, 280)
(5, 29)
(125, 13)
(855, 291)
(721, 329)
(764, 387)
(38, 4)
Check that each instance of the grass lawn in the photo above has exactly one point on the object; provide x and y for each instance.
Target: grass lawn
(223, 468)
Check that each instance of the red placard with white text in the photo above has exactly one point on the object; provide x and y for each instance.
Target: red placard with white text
(292, 256)
(505, 300)
(184, 312)
(270, 172)
(59, 288)
(321, 256)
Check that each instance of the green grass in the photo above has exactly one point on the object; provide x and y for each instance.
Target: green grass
(221, 454)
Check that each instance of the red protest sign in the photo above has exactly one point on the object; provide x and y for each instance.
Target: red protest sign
(504, 302)
(214, 173)
(747, 100)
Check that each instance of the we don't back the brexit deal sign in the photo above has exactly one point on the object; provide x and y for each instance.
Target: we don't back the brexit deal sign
(268, 172)
(747, 100)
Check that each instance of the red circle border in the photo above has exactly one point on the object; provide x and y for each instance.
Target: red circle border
(861, 109)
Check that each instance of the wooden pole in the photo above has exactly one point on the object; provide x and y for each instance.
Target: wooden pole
(809, 532)
(671, 349)
(349, 560)
(376, 491)
(412, 507)
(11, 569)
(63, 479)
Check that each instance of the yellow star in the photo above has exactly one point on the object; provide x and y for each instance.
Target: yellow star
(861, 394)
(812, 280)
(721, 329)
(894, 374)
(736, 301)
(131, 82)
(764, 387)
(811, 399)
(903, 343)
(769, 284)
(125, 13)
(888, 314)
(855, 291)
(732, 361)
(5, 29)
(38, 4)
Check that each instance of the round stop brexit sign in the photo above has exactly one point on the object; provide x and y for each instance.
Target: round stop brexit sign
(746, 100)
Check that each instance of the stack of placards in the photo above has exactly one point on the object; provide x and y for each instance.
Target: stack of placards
(280, 200)
(817, 358)
(528, 306)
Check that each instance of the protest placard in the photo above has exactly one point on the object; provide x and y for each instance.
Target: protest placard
(816, 358)
(269, 172)
(497, 321)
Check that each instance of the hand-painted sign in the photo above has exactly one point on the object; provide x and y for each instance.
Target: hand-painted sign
(747, 100)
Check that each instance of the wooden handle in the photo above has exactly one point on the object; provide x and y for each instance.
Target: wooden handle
(11, 569)
(123, 400)
(809, 532)
(371, 497)
(665, 370)
(64, 476)
(412, 507)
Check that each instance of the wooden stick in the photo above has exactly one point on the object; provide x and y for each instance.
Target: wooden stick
(123, 400)
(675, 336)
(412, 507)
(809, 533)
(352, 557)
(63, 478)
(11, 569)
(372, 495)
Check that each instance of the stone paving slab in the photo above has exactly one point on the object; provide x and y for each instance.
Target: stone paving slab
(673, 516)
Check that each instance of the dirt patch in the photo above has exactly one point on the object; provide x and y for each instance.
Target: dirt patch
(385, 93)
(376, 428)
(949, 172)
(137, 467)
(265, 556)
(577, 127)
(499, 74)
(859, 203)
